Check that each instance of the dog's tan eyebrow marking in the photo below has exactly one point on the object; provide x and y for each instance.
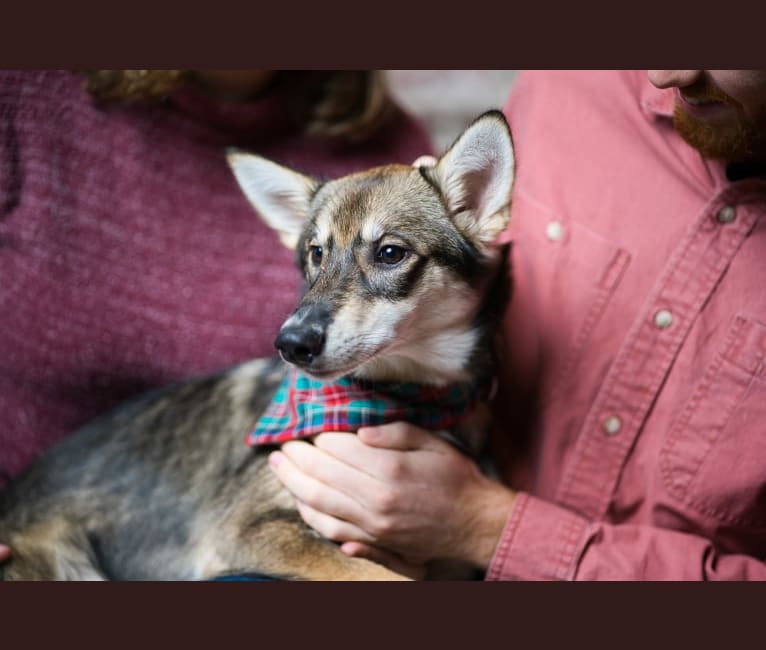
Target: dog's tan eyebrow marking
(398, 238)
(322, 227)
(324, 205)
(372, 230)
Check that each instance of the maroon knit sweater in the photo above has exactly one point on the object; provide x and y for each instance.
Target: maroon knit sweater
(129, 258)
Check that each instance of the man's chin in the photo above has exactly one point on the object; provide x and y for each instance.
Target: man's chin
(730, 141)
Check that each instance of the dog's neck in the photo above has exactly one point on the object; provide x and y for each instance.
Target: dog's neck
(304, 407)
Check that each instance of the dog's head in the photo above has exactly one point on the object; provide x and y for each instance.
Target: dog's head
(396, 259)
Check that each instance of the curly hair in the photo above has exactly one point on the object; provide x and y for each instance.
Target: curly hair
(336, 104)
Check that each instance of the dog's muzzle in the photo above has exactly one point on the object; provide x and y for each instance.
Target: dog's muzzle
(302, 338)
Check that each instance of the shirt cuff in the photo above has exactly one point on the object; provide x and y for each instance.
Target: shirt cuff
(540, 541)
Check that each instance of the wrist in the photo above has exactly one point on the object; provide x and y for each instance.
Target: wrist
(488, 511)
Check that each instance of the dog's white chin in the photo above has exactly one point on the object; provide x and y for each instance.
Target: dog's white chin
(375, 366)
(331, 373)
(323, 375)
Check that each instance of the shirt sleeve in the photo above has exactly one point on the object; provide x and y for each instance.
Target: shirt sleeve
(543, 541)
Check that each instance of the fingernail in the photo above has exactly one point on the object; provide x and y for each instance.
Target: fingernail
(348, 548)
(275, 459)
(370, 433)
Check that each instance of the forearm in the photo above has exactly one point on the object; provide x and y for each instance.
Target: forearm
(542, 541)
(487, 506)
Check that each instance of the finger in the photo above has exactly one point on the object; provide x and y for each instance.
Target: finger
(307, 489)
(5, 552)
(352, 481)
(331, 527)
(425, 161)
(351, 450)
(383, 458)
(389, 559)
(401, 436)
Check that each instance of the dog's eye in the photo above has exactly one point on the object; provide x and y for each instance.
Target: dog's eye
(315, 252)
(390, 254)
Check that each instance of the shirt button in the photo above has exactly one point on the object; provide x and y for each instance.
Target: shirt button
(663, 319)
(726, 214)
(612, 425)
(554, 231)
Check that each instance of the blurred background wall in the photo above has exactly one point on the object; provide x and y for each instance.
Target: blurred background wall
(448, 100)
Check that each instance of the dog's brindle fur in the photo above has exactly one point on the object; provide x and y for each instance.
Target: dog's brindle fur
(164, 486)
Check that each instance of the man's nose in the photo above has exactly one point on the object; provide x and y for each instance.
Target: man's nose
(674, 78)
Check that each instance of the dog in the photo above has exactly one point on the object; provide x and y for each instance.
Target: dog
(404, 287)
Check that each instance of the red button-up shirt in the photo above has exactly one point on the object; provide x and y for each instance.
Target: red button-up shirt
(639, 323)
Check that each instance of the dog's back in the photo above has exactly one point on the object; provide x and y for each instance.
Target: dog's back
(144, 481)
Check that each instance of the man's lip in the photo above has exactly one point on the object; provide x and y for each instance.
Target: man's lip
(701, 107)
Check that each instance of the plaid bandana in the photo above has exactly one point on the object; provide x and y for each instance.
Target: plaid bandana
(303, 407)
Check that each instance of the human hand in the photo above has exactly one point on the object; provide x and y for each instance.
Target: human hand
(5, 553)
(425, 161)
(395, 493)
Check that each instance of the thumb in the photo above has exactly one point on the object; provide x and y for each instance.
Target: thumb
(390, 560)
(5, 552)
(399, 435)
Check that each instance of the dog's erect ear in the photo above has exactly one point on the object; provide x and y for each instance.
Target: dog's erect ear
(280, 195)
(476, 176)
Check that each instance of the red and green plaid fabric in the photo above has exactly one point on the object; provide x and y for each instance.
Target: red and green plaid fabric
(303, 407)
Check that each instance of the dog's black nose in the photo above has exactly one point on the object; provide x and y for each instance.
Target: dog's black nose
(300, 344)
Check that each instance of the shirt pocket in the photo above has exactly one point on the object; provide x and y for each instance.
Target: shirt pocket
(714, 459)
(572, 273)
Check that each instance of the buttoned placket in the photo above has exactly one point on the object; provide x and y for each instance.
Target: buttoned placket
(648, 351)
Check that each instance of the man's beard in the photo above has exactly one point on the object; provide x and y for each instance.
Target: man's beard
(733, 139)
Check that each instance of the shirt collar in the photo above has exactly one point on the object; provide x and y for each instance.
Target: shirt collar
(656, 102)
